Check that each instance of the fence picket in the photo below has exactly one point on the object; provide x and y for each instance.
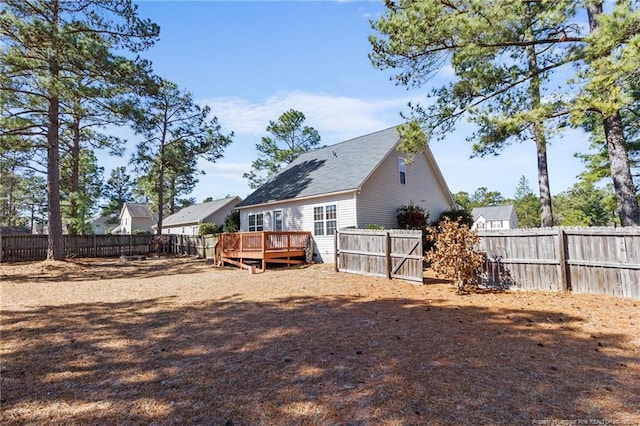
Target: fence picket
(29, 247)
(583, 260)
(392, 253)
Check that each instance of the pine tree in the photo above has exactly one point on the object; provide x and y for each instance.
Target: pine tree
(46, 47)
(611, 71)
(507, 58)
(117, 190)
(527, 205)
(176, 133)
(502, 55)
(289, 139)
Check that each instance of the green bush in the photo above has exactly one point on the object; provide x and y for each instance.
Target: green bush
(374, 226)
(208, 229)
(461, 216)
(232, 222)
(412, 217)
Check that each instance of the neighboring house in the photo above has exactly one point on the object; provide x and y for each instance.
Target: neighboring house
(134, 217)
(11, 230)
(102, 224)
(187, 221)
(494, 217)
(356, 183)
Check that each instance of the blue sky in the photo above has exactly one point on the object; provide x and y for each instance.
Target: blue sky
(252, 60)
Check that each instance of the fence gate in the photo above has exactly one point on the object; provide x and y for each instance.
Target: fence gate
(391, 253)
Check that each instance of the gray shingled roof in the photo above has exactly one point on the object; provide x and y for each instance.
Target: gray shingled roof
(335, 168)
(493, 212)
(138, 209)
(197, 212)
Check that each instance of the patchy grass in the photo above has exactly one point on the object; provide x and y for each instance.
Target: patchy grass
(175, 341)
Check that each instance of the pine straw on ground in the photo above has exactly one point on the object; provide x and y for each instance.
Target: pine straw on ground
(176, 341)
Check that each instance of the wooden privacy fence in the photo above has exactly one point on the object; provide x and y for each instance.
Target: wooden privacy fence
(391, 253)
(193, 245)
(27, 247)
(582, 260)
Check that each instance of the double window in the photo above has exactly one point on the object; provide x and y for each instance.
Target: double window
(325, 219)
(256, 222)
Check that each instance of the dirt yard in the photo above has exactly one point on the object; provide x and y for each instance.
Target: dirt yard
(176, 341)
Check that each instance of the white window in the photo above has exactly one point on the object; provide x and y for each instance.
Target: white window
(402, 168)
(318, 220)
(256, 222)
(325, 219)
(277, 220)
(332, 218)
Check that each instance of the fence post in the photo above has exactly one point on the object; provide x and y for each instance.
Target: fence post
(565, 278)
(335, 251)
(387, 252)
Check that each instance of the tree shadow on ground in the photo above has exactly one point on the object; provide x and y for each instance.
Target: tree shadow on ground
(306, 360)
(103, 268)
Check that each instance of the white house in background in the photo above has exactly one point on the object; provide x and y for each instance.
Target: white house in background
(355, 183)
(187, 221)
(134, 217)
(494, 217)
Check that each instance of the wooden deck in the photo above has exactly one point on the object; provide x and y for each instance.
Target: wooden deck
(246, 249)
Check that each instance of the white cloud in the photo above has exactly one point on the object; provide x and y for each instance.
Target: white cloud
(227, 170)
(336, 118)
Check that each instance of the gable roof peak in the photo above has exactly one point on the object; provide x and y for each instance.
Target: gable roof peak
(314, 173)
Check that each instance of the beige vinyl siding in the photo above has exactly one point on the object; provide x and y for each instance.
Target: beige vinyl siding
(298, 216)
(346, 218)
(189, 229)
(129, 224)
(126, 222)
(141, 224)
(382, 193)
(221, 214)
(513, 220)
(292, 216)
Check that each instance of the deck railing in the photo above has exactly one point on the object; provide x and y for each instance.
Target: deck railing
(264, 241)
(268, 246)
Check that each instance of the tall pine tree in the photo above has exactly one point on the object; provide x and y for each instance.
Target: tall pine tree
(289, 138)
(46, 47)
(508, 58)
(176, 132)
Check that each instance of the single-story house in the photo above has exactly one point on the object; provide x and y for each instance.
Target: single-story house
(494, 217)
(187, 221)
(134, 217)
(353, 184)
